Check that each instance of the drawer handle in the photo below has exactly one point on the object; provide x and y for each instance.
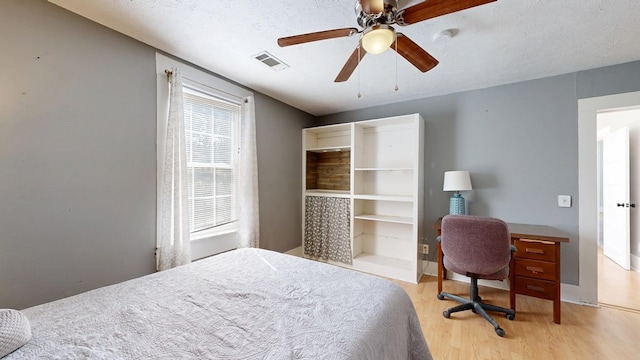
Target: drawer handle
(535, 288)
(535, 269)
(534, 251)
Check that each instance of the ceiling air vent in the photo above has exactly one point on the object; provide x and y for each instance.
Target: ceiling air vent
(270, 60)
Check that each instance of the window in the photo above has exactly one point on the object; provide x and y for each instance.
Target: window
(213, 116)
(211, 129)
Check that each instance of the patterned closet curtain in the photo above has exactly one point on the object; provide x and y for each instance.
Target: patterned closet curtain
(326, 231)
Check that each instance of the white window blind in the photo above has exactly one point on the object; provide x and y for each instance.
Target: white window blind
(211, 136)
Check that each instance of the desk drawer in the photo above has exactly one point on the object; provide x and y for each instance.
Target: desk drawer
(535, 249)
(535, 269)
(537, 288)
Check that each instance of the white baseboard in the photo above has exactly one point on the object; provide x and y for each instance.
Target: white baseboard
(429, 268)
(574, 294)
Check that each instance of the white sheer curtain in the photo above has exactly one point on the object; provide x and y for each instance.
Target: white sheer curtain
(249, 226)
(173, 239)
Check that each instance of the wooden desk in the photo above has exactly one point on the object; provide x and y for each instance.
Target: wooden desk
(535, 268)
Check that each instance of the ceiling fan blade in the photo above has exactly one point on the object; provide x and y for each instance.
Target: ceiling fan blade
(414, 53)
(315, 36)
(434, 8)
(351, 64)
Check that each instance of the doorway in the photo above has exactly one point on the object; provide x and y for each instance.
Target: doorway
(588, 109)
(617, 286)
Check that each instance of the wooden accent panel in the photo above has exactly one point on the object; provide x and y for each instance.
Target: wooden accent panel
(312, 170)
(329, 170)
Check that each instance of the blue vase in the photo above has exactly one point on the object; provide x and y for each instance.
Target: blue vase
(456, 205)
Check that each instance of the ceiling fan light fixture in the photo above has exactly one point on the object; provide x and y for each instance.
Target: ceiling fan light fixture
(378, 38)
(372, 6)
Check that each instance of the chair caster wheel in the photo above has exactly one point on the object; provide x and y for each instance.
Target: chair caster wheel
(500, 332)
(440, 297)
(511, 316)
(446, 314)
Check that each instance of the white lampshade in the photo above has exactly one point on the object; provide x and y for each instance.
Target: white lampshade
(457, 181)
(377, 39)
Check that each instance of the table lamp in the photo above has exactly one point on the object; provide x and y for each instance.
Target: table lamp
(456, 181)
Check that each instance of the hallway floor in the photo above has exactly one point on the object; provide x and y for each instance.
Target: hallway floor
(616, 286)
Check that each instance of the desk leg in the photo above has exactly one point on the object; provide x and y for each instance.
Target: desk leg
(512, 284)
(441, 271)
(556, 301)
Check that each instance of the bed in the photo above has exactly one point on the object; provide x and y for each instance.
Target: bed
(244, 304)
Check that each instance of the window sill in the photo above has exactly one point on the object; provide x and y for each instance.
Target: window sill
(213, 241)
(216, 231)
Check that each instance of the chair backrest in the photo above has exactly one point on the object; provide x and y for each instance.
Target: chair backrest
(479, 245)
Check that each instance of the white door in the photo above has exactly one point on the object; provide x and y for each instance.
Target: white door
(615, 197)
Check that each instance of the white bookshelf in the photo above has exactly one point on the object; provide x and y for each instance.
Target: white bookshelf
(385, 218)
(385, 190)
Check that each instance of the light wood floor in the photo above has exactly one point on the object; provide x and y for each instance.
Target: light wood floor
(585, 333)
(616, 286)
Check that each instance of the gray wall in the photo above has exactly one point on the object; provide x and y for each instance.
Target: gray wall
(519, 142)
(77, 157)
(279, 129)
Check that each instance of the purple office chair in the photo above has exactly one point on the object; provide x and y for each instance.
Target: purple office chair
(480, 248)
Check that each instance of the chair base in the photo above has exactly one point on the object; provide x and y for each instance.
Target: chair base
(475, 304)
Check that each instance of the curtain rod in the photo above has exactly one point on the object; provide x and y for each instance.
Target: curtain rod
(169, 73)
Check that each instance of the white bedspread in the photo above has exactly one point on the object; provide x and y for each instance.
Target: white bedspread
(244, 304)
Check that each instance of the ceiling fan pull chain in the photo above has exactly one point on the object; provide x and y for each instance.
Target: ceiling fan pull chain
(396, 88)
(359, 95)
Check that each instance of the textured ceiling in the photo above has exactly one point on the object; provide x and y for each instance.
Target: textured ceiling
(498, 43)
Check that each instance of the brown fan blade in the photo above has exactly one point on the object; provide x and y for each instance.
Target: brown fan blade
(372, 6)
(351, 64)
(434, 8)
(414, 53)
(315, 36)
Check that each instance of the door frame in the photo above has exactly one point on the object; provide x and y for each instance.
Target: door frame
(587, 290)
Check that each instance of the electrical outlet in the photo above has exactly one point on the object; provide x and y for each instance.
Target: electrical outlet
(425, 249)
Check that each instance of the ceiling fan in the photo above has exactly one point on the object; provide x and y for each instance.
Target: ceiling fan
(376, 18)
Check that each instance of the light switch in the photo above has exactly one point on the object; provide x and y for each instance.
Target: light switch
(564, 200)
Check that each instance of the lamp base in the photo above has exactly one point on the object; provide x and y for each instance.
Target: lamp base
(456, 205)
